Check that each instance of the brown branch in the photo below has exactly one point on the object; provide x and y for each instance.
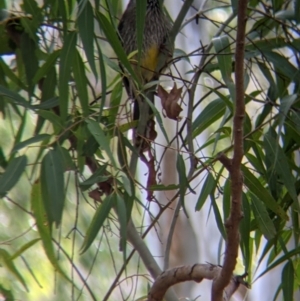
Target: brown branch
(232, 223)
(227, 163)
(197, 273)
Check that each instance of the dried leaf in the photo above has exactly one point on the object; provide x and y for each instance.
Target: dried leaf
(151, 181)
(169, 101)
(106, 186)
(96, 195)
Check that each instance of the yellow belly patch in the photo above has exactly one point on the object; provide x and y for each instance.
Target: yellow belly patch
(149, 63)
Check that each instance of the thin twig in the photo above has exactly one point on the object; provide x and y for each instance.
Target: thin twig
(76, 269)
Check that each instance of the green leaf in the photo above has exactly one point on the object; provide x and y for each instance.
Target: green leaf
(267, 44)
(262, 193)
(48, 85)
(81, 83)
(30, 28)
(234, 5)
(41, 221)
(17, 99)
(122, 215)
(67, 161)
(12, 174)
(218, 217)
(245, 232)
(286, 15)
(85, 23)
(66, 61)
(52, 183)
(111, 63)
(52, 117)
(43, 226)
(224, 56)
(286, 256)
(183, 180)
(103, 79)
(281, 165)
(128, 184)
(25, 248)
(285, 105)
(115, 101)
(90, 146)
(211, 113)
(62, 11)
(276, 246)
(180, 18)
(207, 188)
(226, 199)
(21, 128)
(287, 281)
(181, 54)
(100, 216)
(31, 7)
(262, 218)
(35, 139)
(102, 139)
(3, 12)
(283, 65)
(273, 92)
(99, 176)
(225, 118)
(256, 162)
(48, 104)
(3, 161)
(114, 41)
(129, 202)
(46, 67)
(227, 132)
(7, 263)
(11, 75)
(261, 28)
(30, 61)
(122, 152)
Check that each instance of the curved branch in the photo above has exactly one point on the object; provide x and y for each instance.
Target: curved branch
(196, 273)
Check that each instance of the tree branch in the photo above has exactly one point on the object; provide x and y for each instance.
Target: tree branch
(232, 223)
(197, 273)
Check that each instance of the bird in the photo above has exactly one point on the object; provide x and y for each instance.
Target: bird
(156, 48)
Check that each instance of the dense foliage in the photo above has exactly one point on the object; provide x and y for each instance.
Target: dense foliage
(68, 184)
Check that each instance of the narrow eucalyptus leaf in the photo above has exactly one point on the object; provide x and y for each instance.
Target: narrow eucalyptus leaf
(43, 227)
(85, 22)
(52, 182)
(287, 281)
(102, 139)
(100, 216)
(66, 61)
(207, 188)
(12, 174)
(255, 186)
(265, 224)
(7, 263)
(38, 138)
(81, 83)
